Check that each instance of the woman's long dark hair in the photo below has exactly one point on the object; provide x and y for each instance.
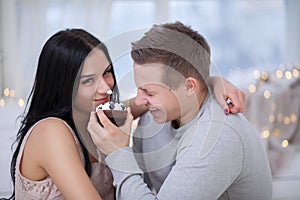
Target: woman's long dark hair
(51, 96)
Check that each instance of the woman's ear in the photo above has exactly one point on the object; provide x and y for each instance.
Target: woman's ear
(191, 85)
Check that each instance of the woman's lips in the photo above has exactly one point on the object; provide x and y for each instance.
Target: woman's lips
(101, 101)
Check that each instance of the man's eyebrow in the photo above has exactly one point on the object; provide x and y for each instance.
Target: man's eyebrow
(151, 91)
(141, 88)
(144, 89)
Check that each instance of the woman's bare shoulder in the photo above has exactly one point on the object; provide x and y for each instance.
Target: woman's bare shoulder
(49, 143)
(51, 128)
(53, 139)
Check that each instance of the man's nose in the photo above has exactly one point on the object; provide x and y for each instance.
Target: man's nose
(140, 99)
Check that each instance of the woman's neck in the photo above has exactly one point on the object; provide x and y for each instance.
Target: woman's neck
(81, 121)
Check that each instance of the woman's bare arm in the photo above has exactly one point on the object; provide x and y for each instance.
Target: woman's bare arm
(53, 152)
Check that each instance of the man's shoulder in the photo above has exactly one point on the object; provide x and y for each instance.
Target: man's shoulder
(213, 126)
(214, 113)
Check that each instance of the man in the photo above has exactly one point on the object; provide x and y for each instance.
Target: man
(187, 148)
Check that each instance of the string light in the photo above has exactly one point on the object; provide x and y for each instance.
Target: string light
(296, 73)
(2, 102)
(267, 94)
(286, 120)
(280, 119)
(264, 76)
(21, 102)
(265, 133)
(285, 143)
(288, 75)
(271, 118)
(279, 73)
(293, 118)
(12, 95)
(6, 92)
(256, 74)
(252, 88)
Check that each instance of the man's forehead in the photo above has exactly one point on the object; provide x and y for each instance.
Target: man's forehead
(150, 73)
(156, 73)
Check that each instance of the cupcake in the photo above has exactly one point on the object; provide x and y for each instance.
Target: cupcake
(115, 112)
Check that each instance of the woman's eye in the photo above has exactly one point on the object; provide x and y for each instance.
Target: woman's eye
(107, 71)
(89, 80)
(107, 75)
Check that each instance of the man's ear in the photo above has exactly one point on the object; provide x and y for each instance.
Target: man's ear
(191, 85)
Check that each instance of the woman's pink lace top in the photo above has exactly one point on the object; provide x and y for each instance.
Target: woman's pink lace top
(46, 189)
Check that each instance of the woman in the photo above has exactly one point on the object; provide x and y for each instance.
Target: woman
(55, 157)
(51, 160)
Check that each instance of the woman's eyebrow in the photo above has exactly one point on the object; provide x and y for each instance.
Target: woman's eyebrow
(87, 75)
(109, 67)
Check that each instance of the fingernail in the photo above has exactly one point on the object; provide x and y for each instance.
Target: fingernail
(226, 111)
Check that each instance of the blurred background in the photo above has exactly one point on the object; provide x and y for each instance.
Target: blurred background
(255, 44)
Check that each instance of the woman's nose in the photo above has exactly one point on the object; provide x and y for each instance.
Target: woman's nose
(103, 87)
